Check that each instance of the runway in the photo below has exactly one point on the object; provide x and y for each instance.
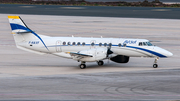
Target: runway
(28, 76)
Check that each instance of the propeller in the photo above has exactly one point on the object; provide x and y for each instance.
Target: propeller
(108, 53)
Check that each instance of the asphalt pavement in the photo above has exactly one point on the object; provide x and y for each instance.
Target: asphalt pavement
(29, 76)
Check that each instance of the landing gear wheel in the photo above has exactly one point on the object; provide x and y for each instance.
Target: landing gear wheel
(155, 65)
(82, 66)
(100, 63)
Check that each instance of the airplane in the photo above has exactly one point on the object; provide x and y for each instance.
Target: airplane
(84, 49)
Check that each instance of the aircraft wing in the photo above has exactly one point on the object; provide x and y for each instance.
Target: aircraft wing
(80, 55)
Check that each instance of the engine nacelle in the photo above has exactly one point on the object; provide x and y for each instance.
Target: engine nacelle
(120, 59)
(97, 54)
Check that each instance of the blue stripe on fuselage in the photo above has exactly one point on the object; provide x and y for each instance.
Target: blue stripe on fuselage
(149, 51)
(146, 50)
(40, 39)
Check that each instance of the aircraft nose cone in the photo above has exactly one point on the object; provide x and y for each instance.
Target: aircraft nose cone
(164, 52)
(168, 54)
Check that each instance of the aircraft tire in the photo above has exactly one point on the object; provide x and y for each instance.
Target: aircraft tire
(100, 63)
(155, 65)
(82, 66)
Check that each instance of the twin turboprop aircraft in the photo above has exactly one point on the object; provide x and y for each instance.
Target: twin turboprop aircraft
(84, 49)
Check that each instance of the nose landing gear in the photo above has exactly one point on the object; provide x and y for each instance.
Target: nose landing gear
(155, 65)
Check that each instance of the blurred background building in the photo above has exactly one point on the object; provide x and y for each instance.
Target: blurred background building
(111, 0)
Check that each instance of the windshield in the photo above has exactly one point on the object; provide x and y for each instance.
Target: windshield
(145, 44)
(148, 43)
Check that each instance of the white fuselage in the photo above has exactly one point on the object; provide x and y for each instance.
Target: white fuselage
(120, 46)
(84, 49)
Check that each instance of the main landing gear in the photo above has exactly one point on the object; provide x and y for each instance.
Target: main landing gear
(83, 65)
(100, 63)
(155, 65)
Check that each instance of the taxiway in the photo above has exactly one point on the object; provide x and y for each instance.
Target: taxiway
(26, 76)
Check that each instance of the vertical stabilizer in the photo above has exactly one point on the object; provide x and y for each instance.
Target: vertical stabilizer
(21, 32)
(17, 25)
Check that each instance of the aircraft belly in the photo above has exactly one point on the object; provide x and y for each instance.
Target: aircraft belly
(88, 59)
(63, 54)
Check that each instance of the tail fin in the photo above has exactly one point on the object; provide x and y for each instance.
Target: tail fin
(17, 25)
(21, 32)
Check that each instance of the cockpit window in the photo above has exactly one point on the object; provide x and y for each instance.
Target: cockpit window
(145, 44)
(140, 43)
(148, 43)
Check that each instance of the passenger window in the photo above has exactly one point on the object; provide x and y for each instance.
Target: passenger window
(119, 44)
(105, 44)
(83, 44)
(110, 44)
(64, 43)
(78, 43)
(100, 44)
(74, 43)
(92, 44)
(69, 43)
(140, 43)
(124, 45)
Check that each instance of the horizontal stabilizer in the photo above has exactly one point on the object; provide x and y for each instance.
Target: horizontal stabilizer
(24, 32)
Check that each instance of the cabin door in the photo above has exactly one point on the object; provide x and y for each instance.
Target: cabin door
(58, 46)
(92, 44)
